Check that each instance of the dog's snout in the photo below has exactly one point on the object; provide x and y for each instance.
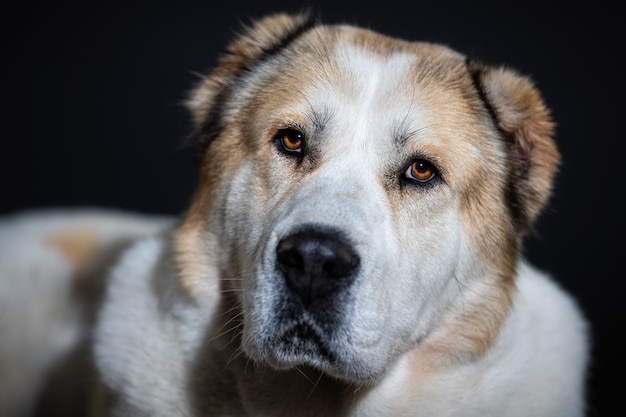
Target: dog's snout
(316, 263)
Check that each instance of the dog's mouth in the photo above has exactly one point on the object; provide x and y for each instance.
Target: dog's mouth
(306, 345)
(301, 344)
(296, 334)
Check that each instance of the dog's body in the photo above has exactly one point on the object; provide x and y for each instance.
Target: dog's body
(353, 249)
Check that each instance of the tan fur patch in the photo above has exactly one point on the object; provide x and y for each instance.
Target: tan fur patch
(191, 243)
(78, 246)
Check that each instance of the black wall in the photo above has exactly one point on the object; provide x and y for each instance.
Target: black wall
(93, 116)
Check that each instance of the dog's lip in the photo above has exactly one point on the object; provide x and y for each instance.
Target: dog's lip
(301, 343)
(303, 346)
(306, 341)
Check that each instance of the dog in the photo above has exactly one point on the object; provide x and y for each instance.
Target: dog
(353, 248)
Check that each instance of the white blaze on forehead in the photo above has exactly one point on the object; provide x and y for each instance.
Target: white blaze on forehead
(375, 100)
(381, 88)
(376, 94)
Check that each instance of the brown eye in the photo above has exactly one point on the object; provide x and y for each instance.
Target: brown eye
(290, 141)
(420, 171)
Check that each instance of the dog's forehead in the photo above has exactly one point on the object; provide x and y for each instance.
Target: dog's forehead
(356, 83)
(391, 82)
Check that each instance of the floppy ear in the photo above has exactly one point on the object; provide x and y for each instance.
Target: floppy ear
(525, 121)
(264, 37)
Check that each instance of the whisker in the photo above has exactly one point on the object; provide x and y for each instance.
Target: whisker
(245, 368)
(227, 313)
(319, 378)
(236, 354)
(304, 375)
(232, 290)
(222, 333)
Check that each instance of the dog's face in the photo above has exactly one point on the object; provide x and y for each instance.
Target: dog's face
(362, 195)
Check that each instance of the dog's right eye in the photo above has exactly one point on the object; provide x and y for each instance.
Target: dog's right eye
(289, 141)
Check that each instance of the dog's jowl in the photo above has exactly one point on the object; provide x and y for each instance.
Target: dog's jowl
(352, 249)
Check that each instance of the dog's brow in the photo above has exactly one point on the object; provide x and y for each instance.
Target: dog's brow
(321, 117)
(401, 133)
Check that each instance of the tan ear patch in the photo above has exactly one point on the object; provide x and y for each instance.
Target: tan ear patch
(263, 37)
(78, 246)
(522, 114)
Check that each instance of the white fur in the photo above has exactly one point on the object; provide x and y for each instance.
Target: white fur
(205, 318)
(523, 374)
(40, 318)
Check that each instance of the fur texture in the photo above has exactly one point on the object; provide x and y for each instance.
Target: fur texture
(353, 249)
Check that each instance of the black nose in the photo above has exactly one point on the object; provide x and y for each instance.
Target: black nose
(316, 263)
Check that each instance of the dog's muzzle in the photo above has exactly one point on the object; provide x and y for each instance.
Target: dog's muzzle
(316, 263)
(303, 310)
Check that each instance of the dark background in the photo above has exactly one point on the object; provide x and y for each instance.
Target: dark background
(93, 116)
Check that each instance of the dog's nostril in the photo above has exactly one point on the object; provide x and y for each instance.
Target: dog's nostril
(289, 255)
(339, 262)
(315, 264)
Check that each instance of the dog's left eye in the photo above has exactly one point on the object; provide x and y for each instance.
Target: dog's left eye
(421, 171)
(289, 141)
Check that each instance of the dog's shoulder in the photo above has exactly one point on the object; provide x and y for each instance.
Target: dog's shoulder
(535, 366)
(544, 343)
(148, 328)
(53, 268)
(541, 296)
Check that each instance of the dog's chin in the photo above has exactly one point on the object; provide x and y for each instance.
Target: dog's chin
(303, 346)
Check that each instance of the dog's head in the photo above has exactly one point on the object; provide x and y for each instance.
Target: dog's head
(361, 195)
